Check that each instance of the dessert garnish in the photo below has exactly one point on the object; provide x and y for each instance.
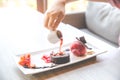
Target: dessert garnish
(82, 39)
(25, 61)
(46, 58)
(90, 52)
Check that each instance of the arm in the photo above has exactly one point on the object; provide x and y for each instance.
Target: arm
(76, 19)
(99, 0)
(114, 3)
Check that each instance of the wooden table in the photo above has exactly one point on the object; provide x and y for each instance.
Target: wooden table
(22, 30)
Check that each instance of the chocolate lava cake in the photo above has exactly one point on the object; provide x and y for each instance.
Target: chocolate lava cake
(60, 57)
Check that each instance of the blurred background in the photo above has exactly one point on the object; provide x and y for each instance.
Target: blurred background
(79, 5)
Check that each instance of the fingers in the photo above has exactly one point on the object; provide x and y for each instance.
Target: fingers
(46, 20)
(58, 20)
(52, 20)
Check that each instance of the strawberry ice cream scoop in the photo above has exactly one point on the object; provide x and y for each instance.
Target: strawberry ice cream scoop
(78, 48)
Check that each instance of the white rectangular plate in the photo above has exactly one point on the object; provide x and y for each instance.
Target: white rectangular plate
(36, 59)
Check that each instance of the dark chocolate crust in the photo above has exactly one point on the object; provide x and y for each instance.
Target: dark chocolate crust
(60, 59)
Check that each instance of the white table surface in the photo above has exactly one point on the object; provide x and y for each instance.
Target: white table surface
(22, 30)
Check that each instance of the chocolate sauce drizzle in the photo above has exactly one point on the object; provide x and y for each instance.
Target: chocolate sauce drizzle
(42, 67)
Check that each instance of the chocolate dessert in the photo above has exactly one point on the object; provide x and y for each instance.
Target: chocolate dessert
(60, 57)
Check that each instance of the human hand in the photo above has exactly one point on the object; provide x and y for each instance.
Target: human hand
(54, 15)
